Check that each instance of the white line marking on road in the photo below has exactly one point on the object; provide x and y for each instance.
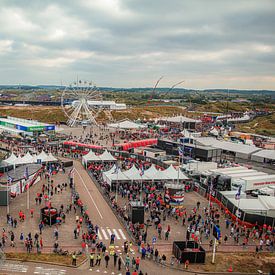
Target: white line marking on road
(122, 234)
(117, 236)
(110, 232)
(88, 193)
(99, 235)
(104, 234)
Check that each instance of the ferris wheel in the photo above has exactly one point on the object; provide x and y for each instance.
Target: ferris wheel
(78, 103)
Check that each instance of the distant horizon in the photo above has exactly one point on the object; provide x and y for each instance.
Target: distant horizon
(112, 87)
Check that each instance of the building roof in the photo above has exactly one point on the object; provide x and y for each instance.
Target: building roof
(227, 145)
(23, 122)
(267, 154)
(154, 150)
(10, 130)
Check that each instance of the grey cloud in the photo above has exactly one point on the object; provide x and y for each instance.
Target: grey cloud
(133, 42)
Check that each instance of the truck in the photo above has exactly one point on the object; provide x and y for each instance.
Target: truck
(230, 179)
(254, 182)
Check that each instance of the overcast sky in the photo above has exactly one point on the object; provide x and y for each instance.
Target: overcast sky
(131, 43)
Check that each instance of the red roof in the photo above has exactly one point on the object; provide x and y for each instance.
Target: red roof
(78, 144)
(137, 143)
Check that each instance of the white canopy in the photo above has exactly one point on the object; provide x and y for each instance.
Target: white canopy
(106, 173)
(18, 161)
(11, 159)
(119, 176)
(126, 124)
(51, 158)
(134, 174)
(173, 174)
(27, 158)
(42, 156)
(91, 156)
(107, 156)
(154, 174)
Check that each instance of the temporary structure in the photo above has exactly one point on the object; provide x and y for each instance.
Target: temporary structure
(116, 176)
(51, 158)
(42, 157)
(27, 158)
(107, 156)
(91, 156)
(172, 174)
(10, 159)
(109, 172)
(154, 174)
(126, 124)
(134, 174)
(18, 161)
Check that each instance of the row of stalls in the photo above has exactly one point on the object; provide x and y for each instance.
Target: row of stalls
(20, 173)
(173, 180)
(28, 158)
(151, 174)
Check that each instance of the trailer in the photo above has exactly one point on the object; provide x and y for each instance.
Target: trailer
(222, 170)
(255, 182)
(244, 171)
(230, 179)
(199, 166)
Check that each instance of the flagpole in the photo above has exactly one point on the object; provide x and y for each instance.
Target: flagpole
(116, 181)
(8, 199)
(178, 180)
(141, 190)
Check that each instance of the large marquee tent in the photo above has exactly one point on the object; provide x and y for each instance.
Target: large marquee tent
(126, 124)
(106, 156)
(28, 159)
(151, 174)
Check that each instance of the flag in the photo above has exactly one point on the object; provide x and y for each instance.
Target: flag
(26, 174)
(10, 179)
(141, 170)
(238, 194)
(116, 169)
(180, 151)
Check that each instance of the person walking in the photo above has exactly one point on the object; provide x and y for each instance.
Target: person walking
(137, 262)
(92, 257)
(107, 258)
(98, 259)
(115, 259)
(119, 263)
(74, 259)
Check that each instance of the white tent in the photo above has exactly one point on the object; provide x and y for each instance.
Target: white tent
(107, 156)
(109, 172)
(91, 156)
(126, 124)
(173, 174)
(18, 161)
(134, 174)
(51, 158)
(119, 176)
(42, 157)
(153, 173)
(27, 158)
(10, 159)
